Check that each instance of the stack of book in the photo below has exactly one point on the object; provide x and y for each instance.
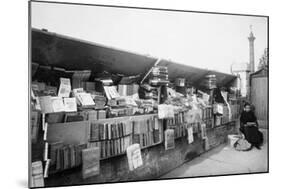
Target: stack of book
(100, 101)
(210, 82)
(79, 77)
(159, 76)
(128, 90)
(89, 86)
(92, 115)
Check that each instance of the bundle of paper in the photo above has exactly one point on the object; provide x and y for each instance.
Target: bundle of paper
(100, 101)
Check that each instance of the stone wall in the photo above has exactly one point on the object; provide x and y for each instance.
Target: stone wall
(157, 161)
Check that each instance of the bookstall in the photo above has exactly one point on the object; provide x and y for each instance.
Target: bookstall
(99, 114)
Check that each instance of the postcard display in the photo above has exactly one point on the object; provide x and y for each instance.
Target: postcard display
(82, 122)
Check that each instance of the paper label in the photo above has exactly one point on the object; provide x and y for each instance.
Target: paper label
(65, 87)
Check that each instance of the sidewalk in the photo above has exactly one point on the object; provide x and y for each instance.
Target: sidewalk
(224, 160)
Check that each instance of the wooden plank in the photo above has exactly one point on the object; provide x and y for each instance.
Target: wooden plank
(69, 133)
(259, 98)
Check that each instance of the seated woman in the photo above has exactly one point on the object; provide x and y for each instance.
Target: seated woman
(249, 127)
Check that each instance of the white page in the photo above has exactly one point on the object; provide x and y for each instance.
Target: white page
(70, 104)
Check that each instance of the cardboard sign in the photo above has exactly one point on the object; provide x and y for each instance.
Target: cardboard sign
(46, 104)
(111, 92)
(65, 87)
(70, 104)
(90, 162)
(57, 104)
(134, 156)
(169, 139)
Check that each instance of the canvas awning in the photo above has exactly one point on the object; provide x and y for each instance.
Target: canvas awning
(75, 54)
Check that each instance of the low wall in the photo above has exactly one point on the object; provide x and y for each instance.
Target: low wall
(156, 161)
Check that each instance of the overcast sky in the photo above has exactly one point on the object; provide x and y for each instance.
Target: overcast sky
(202, 40)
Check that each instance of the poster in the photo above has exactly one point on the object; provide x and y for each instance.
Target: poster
(65, 87)
(90, 162)
(169, 139)
(134, 156)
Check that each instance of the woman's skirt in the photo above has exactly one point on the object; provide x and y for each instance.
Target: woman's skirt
(252, 135)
